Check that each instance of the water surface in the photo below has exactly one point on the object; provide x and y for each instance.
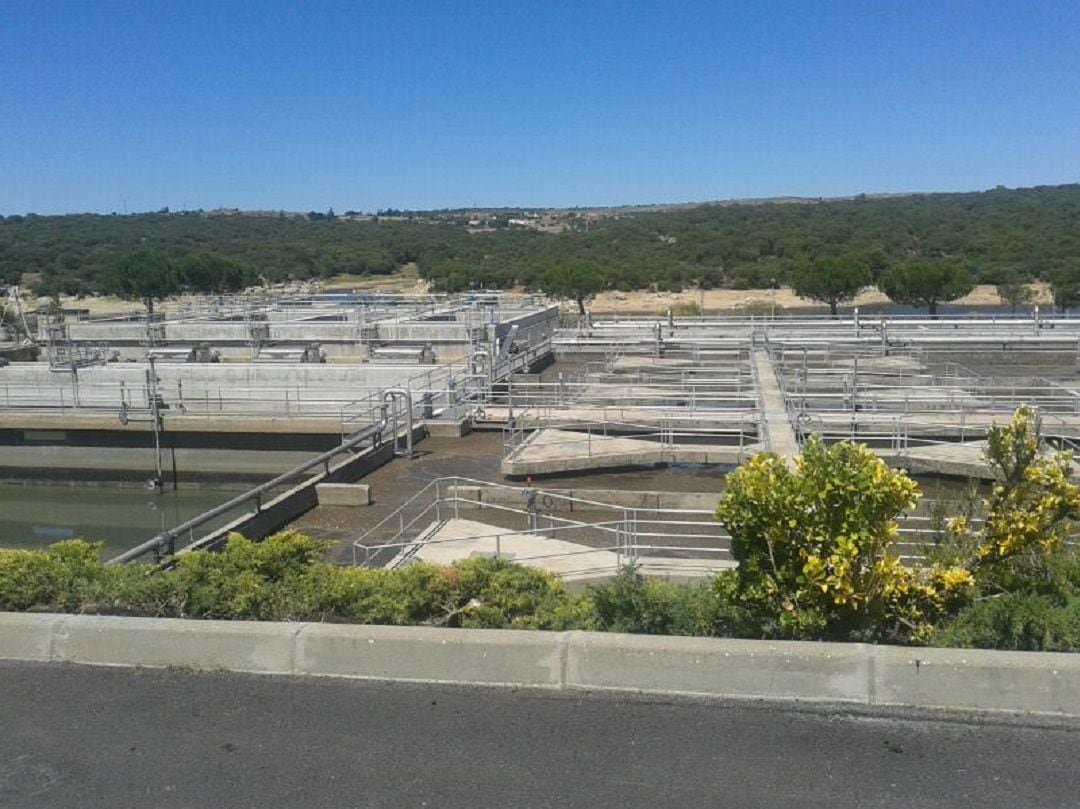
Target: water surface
(34, 516)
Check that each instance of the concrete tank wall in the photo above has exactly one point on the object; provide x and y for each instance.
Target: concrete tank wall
(528, 320)
(34, 385)
(311, 331)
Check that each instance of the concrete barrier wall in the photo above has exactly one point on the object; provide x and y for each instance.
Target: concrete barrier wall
(300, 499)
(308, 331)
(621, 498)
(214, 375)
(548, 317)
(214, 389)
(855, 674)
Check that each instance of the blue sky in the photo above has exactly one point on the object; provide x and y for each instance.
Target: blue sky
(112, 106)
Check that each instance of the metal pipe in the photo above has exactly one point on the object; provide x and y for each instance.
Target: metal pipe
(388, 396)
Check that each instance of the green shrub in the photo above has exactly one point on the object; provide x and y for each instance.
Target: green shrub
(1036, 613)
(247, 580)
(632, 603)
(1028, 622)
(491, 593)
(281, 579)
(686, 309)
(62, 577)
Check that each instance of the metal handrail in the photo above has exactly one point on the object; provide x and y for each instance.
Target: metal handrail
(166, 539)
(632, 526)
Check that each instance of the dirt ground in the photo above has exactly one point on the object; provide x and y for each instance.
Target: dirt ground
(712, 301)
(407, 282)
(723, 301)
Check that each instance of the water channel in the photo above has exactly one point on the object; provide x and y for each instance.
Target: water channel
(34, 516)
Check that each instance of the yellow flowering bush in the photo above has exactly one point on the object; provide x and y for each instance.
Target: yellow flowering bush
(815, 544)
(1029, 510)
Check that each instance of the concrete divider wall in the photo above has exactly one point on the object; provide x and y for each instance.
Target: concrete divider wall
(855, 674)
(303, 497)
(621, 498)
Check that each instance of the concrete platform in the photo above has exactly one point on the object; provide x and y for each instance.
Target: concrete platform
(931, 397)
(720, 419)
(900, 364)
(956, 460)
(945, 425)
(455, 539)
(561, 500)
(632, 363)
(634, 395)
(107, 420)
(343, 494)
(551, 451)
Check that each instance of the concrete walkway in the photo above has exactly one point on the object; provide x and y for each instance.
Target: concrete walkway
(973, 424)
(455, 539)
(551, 451)
(779, 434)
(679, 417)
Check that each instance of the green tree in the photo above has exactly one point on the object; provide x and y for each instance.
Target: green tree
(145, 275)
(830, 281)
(815, 541)
(579, 282)
(926, 284)
(1065, 286)
(214, 273)
(51, 287)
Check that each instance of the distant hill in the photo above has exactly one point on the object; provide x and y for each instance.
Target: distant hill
(735, 243)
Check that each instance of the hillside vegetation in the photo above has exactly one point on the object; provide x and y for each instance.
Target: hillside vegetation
(997, 236)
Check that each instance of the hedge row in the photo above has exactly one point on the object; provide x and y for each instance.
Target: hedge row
(282, 579)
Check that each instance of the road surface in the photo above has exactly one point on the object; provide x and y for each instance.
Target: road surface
(95, 737)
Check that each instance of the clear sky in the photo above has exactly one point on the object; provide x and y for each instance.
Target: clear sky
(113, 106)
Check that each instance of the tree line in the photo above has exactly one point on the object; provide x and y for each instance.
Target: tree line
(1003, 236)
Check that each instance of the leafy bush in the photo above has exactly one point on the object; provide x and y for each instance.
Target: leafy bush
(814, 542)
(1027, 573)
(281, 579)
(686, 309)
(632, 603)
(63, 577)
(1028, 513)
(1026, 622)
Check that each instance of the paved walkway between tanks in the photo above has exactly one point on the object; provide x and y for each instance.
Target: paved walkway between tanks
(780, 434)
(104, 738)
(550, 451)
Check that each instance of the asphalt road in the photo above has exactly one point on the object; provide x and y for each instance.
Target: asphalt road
(93, 737)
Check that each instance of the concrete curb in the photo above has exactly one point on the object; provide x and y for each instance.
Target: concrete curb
(858, 674)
